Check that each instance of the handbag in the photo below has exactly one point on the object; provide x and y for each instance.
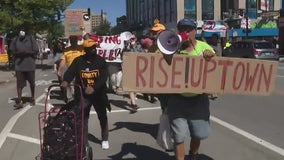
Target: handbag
(164, 137)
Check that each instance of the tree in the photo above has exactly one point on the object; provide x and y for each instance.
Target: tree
(38, 16)
(103, 29)
(121, 26)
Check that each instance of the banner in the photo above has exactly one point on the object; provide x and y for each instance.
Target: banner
(150, 73)
(214, 26)
(111, 47)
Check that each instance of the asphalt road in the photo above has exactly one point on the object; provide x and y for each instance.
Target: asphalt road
(243, 127)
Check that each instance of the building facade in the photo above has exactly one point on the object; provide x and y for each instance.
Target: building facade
(170, 11)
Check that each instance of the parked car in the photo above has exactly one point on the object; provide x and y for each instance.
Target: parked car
(259, 49)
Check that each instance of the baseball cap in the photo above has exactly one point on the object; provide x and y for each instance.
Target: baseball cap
(187, 23)
(89, 43)
(158, 26)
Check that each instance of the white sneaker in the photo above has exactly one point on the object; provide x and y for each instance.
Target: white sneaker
(105, 145)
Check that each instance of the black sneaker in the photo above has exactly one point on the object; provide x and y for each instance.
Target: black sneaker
(133, 108)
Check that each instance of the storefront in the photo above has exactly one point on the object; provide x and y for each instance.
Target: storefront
(3, 54)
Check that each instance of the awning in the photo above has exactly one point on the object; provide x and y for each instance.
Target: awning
(259, 32)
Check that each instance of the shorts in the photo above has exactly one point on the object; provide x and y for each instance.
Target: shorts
(181, 127)
(23, 76)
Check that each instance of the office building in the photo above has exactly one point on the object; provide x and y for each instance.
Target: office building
(170, 11)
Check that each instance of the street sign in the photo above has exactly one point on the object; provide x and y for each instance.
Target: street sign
(86, 17)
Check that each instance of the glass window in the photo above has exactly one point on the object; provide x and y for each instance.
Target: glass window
(190, 9)
(266, 5)
(252, 9)
(207, 9)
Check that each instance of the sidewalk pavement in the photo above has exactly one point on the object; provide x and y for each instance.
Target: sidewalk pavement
(6, 75)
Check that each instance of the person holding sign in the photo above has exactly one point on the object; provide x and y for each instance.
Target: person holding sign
(189, 112)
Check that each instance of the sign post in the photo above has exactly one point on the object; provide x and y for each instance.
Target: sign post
(281, 32)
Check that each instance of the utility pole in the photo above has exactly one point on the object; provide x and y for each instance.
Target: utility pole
(281, 31)
(247, 27)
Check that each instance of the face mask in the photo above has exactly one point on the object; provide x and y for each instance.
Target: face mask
(22, 33)
(90, 54)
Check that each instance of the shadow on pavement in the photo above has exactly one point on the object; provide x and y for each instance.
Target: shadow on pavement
(93, 139)
(140, 152)
(151, 129)
(44, 66)
(123, 104)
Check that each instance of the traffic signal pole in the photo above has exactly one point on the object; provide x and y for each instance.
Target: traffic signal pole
(281, 32)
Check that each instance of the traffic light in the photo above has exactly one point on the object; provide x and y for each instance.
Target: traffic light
(89, 12)
(58, 15)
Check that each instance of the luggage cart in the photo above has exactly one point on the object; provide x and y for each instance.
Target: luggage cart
(61, 128)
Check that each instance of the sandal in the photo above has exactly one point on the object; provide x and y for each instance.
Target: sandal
(19, 105)
(32, 102)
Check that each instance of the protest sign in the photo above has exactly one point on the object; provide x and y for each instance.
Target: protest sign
(150, 73)
(110, 47)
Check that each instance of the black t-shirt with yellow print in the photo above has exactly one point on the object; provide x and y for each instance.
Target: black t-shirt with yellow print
(87, 73)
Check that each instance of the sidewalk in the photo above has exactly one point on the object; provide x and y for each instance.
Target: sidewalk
(6, 75)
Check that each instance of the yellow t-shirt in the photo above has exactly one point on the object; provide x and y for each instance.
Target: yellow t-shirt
(198, 51)
(70, 53)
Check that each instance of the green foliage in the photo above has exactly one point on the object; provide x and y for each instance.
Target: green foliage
(103, 29)
(264, 25)
(121, 25)
(35, 16)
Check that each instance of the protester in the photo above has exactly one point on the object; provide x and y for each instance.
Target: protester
(216, 43)
(90, 72)
(133, 46)
(189, 112)
(69, 54)
(24, 49)
(58, 49)
(155, 31)
(213, 41)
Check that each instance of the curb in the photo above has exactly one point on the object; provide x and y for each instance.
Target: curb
(3, 82)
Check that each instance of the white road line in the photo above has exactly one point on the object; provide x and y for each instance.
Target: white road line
(9, 126)
(281, 67)
(123, 110)
(12, 121)
(249, 136)
(24, 138)
(279, 76)
(233, 128)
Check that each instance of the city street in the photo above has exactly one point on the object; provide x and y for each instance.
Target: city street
(243, 127)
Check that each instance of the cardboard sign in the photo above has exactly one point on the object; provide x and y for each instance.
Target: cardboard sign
(73, 21)
(150, 73)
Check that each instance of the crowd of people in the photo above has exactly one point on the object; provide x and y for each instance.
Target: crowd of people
(188, 112)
